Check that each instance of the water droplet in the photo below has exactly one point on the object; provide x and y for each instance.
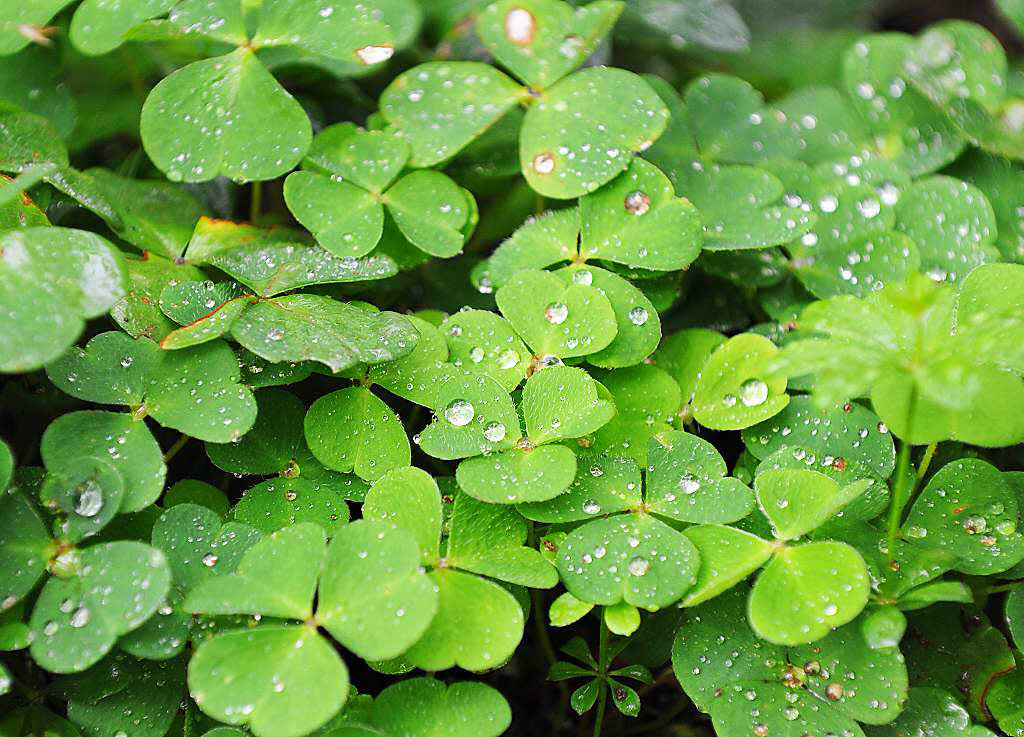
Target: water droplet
(869, 207)
(495, 432)
(753, 393)
(544, 163)
(520, 26)
(639, 566)
(638, 316)
(791, 713)
(374, 54)
(688, 484)
(476, 355)
(210, 560)
(570, 46)
(275, 334)
(828, 203)
(975, 524)
(729, 400)
(834, 691)
(591, 507)
(508, 359)
(50, 628)
(127, 361)
(831, 610)
(459, 413)
(88, 499)
(584, 277)
(596, 471)
(79, 618)
(556, 313)
(637, 202)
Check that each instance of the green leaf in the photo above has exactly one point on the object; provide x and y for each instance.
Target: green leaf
(883, 628)
(477, 627)
(878, 687)
(24, 547)
(684, 354)
(251, 677)
(540, 242)
(424, 707)
(959, 240)
(849, 432)
(301, 327)
(32, 81)
(276, 577)
(417, 375)
(686, 481)
(408, 499)
(969, 510)
(99, 26)
(541, 41)
(727, 556)
(274, 261)
(51, 281)
(222, 20)
(994, 176)
(350, 31)
(196, 391)
(614, 114)
(374, 597)
(198, 546)
(604, 484)
(530, 474)
(916, 135)
(6, 465)
(138, 311)
(347, 221)
(116, 587)
(637, 220)
(430, 210)
(639, 326)
(632, 558)
(797, 501)
(352, 430)
(736, 388)
(270, 444)
(88, 491)
(242, 124)
(863, 266)
(369, 159)
(702, 651)
(621, 619)
(124, 443)
(555, 318)
(806, 590)
(489, 539)
(420, 101)
(563, 402)
(14, 17)
(483, 341)
(829, 128)
(931, 711)
(778, 710)
(717, 191)
(566, 609)
(958, 59)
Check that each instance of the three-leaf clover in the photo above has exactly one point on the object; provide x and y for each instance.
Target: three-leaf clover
(579, 130)
(600, 676)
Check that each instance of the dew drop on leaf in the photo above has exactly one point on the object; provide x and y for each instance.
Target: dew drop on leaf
(637, 202)
(688, 484)
(210, 560)
(79, 618)
(591, 507)
(753, 393)
(544, 163)
(556, 313)
(495, 432)
(88, 499)
(520, 26)
(639, 566)
(459, 413)
(638, 316)
(508, 359)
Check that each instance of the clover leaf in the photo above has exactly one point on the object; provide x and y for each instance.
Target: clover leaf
(51, 281)
(344, 205)
(109, 590)
(425, 707)
(196, 391)
(478, 623)
(735, 390)
(25, 547)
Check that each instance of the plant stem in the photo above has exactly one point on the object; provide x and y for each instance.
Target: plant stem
(178, 445)
(899, 489)
(255, 200)
(189, 720)
(602, 698)
(538, 616)
(926, 460)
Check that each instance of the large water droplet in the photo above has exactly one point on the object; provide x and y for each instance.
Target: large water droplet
(556, 313)
(639, 566)
(88, 499)
(495, 432)
(520, 26)
(753, 392)
(688, 484)
(544, 163)
(459, 413)
(637, 203)
(80, 617)
(210, 560)
(638, 316)
(509, 359)
(591, 507)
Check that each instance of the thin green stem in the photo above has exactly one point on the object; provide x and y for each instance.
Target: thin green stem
(926, 460)
(188, 726)
(538, 610)
(178, 445)
(900, 491)
(255, 200)
(602, 698)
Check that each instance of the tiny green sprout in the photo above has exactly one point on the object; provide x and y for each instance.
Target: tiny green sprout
(374, 368)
